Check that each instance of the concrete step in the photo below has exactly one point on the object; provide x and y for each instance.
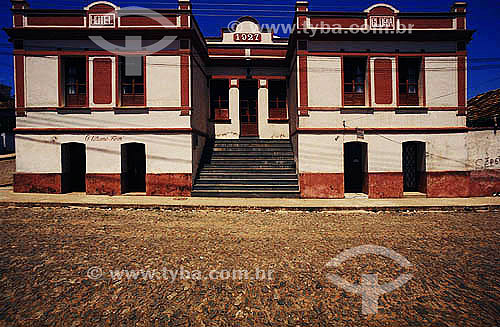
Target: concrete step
(244, 187)
(246, 194)
(248, 181)
(257, 150)
(236, 175)
(247, 170)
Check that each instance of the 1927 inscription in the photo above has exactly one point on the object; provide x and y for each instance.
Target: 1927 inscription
(247, 37)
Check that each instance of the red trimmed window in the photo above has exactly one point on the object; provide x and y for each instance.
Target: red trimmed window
(75, 81)
(219, 99)
(354, 81)
(277, 100)
(409, 78)
(132, 82)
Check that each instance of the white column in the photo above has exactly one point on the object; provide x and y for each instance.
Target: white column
(231, 131)
(263, 110)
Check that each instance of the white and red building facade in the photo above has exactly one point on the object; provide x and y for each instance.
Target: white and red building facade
(379, 111)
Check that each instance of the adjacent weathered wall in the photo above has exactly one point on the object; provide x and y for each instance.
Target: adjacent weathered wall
(483, 148)
(163, 81)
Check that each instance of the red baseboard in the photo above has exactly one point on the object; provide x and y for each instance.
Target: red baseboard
(321, 186)
(169, 184)
(38, 183)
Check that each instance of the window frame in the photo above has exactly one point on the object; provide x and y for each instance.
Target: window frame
(79, 82)
(132, 99)
(219, 107)
(406, 98)
(278, 111)
(349, 64)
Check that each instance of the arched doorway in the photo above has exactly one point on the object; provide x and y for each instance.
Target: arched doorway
(74, 169)
(414, 166)
(133, 158)
(355, 166)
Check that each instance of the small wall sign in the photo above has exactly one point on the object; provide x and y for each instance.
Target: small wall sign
(247, 37)
(101, 20)
(382, 22)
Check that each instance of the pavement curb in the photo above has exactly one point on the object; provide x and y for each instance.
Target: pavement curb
(466, 208)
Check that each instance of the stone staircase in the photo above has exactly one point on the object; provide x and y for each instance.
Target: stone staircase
(248, 168)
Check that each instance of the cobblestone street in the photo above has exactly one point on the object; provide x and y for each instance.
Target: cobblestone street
(46, 256)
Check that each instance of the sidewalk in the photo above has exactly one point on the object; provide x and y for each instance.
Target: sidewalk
(9, 198)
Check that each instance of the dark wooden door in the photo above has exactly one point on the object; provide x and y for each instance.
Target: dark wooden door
(354, 167)
(248, 109)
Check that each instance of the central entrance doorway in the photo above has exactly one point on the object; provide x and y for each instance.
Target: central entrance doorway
(355, 166)
(73, 167)
(249, 92)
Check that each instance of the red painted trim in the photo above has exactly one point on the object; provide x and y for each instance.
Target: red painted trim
(383, 81)
(342, 84)
(268, 52)
(96, 53)
(102, 130)
(228, 52)
(19, 73)
(397, 81)
(87, 82)
(321, 185)
(103, 81)
(379, 109)
(304, 94)
(170, 109)
(169, 184)
(369, 80)
(60, 88)
(427, 23)
(103, 184)
(379, 54)
(59, 21)
(462, 75)
(229, 77)
(385, 185)
(145, 80)
(424, 85)
(185, 81)
(383, 130)
(269, 77)
(118, 88)
(38, 183)
(344, 22)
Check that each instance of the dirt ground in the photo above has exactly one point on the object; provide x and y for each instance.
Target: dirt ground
(50, 260)
(7, 169)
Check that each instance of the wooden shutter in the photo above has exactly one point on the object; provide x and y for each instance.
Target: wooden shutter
(383, 81)
(103, 81)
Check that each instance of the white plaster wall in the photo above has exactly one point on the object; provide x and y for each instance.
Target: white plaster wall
(164, 153)
(324, 77)
(325, 153)
(155, 119)
(38, 154)
(232, 130)
(483, 150)
(381, 119)
(372, 82)
(163, 81)
(266, 129)
(41, 81)
(91, 83)
(320, 154)
(441, 81)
